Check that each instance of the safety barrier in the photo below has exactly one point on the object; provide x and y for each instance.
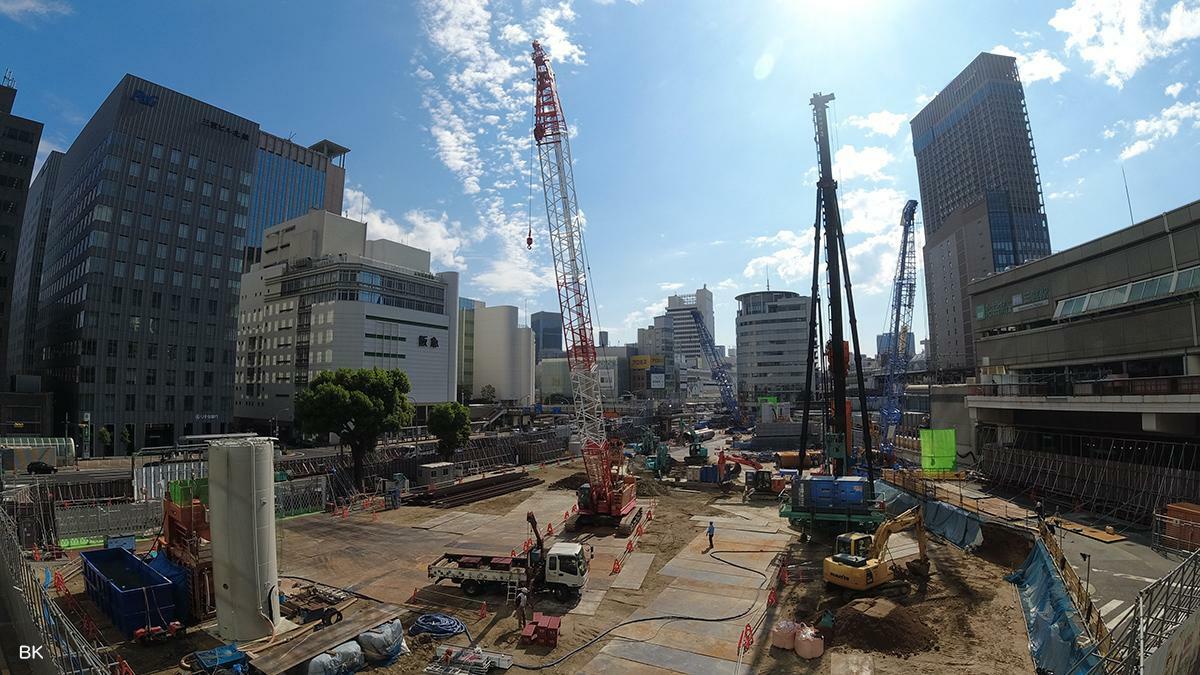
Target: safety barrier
(79, 521)
(1076, 589)
(1054, 624)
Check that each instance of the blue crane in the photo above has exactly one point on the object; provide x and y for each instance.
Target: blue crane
(720, 374)
(904, 291)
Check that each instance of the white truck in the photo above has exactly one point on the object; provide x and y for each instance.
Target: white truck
(563, 570)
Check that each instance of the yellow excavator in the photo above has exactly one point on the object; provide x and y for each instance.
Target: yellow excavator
(858, 562)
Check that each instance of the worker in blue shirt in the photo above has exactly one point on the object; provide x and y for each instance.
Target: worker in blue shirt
(711, 531)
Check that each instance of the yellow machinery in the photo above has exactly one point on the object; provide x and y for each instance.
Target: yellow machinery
(858, 564)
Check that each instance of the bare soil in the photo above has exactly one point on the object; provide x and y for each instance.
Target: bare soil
(879, 625)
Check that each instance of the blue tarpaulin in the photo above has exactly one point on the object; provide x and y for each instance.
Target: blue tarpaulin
(953, 524)
(895, 500)
(1053, 622)
(178, 577)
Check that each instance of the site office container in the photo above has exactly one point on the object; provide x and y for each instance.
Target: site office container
(127, 590)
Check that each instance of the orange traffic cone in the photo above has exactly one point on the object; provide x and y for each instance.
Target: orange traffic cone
(616, 568)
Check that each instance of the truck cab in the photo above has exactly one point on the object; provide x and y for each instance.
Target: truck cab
(566, 568)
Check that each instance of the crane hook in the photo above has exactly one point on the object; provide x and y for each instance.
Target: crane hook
(529, 239)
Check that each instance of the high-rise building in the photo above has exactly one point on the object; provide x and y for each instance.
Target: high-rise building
(772, 346)
(23, 356)
(547, 334)
(150, 227)
(325, 297)
(883, 347)
(19, 138)
(658, 340)
(981, 195)
(502, 354)
(466, 347)
(683, 324)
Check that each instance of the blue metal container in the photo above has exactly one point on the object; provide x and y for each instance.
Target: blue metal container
(851, 491)
(127, 590)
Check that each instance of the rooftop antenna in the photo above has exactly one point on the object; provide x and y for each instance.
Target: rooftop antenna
(9, 80)
(1128, 203)
(768, 278)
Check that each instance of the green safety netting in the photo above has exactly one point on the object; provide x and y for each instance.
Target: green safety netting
(938, 450)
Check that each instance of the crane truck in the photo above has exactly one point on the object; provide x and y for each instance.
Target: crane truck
(859, 564)
(563, 570)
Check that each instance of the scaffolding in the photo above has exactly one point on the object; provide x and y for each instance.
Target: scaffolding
(1124, 478)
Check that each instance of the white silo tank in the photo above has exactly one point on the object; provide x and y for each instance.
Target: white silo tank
(241, 491)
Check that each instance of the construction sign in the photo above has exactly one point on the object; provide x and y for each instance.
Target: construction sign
(939, 450)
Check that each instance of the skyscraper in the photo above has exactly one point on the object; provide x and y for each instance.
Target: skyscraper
(772, 345)
(687, 337)
(151, 223)
(23, 356)
(981, 195)
(19, 138)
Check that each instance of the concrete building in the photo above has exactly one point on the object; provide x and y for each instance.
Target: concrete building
(981, 195)
(466, 347)
(502, 354)
(883, 347)
(1091, 356)
(325, 297)
(547, 334)
(152, 220)
(772, 345)
(23, 357)
(658, 339)
(19, 139)
(679, 312)
(647, 376)
(554, 379)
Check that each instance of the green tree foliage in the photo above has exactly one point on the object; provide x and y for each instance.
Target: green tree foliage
(451, 423)
(357, 405)
(487, 393)
(105, 438)
(127, 438)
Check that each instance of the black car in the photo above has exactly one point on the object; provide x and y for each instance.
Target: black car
(40, 468)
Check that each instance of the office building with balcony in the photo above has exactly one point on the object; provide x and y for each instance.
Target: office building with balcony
(772, 345)
(981, 196)
(1089, 368)
(153, 216)
(19, 139)
(325, 297)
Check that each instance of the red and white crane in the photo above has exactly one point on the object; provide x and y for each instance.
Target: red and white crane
(609, 494)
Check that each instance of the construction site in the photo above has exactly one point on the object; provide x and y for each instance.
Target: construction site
(631, 537)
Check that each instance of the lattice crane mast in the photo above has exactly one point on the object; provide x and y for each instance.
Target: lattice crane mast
(904, 291)
(607, 494)
(720, 374)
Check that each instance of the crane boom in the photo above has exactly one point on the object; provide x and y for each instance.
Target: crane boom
(904, 290)
(720, 373)
(550, 134)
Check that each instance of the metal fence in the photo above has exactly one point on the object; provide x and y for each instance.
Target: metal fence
(76, 522)
(37, 620)
(1163, 630)
(150, 481)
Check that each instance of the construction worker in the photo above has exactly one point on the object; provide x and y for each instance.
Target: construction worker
(712, 529)
(522, 601)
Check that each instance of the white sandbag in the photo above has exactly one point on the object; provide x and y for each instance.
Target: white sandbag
(341, 660)
(383, 643)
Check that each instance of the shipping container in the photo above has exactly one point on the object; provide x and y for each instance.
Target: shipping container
(128, 591)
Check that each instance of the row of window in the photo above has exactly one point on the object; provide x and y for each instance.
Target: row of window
(1138, 291)
(176, 158)
(87, 375)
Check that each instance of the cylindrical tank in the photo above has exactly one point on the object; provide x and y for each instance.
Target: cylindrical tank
(241, 492)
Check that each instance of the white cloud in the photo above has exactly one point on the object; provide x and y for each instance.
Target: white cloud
(883, 122)
(641, 318)
(1063, 195)
(555, 38)
(1074, 156)
(716, 242)
(437, 234)
(728, 284)
(1036, 65)
(423, 73)
(1109, 133)
(670, 286)
(515, 34)
(1119, 38)
(1150, 131)
(1173, 90)
(792, 262)
(922, 99)
(850, 163)
(871, 211)
(18, 10)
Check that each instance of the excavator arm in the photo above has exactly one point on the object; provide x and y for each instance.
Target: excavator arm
(909, 519)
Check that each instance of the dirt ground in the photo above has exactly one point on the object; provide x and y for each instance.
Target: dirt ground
(969, 612)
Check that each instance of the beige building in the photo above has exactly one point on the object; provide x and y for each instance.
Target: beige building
(495, 350)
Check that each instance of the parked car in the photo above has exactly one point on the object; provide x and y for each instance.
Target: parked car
(40, 468)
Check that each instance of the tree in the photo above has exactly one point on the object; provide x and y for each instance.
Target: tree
(105, 438)
(451, 423)
(487, 393)
(357, 405)
(127, 438)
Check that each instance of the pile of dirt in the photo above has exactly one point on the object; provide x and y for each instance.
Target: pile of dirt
(571, 482)
(880, 625)
(648, 487)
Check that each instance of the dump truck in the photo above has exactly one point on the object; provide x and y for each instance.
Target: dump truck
(562, 570)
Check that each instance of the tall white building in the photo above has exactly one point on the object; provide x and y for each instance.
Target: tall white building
(683, 324)
(772, 344)
(323, 298)
(503, 354)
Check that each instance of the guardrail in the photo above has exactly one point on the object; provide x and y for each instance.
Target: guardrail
(1064, 386)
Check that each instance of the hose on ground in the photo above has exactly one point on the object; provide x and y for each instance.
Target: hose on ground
(438, 626)
(665, 617)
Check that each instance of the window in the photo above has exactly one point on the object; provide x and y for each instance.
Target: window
(1150, 288)
(127, 218)
(165, 227)
(152, 350)
(169, 403)
(194, 306)
(116, 297)
(227, 172)
(110, 375)
(183, 231)
(151, 377)
(198, 258)
(135, 323)
(193, 162)
(189, 403)
(185, 207)
(209, 354)
(206, 190)
(149, 197)
(244, 178)
(222, 216)
(218, 239)
(189, 184)
(112, 348)
(118, 269)
(172, 179)
(1108, 298)
(139, 272)
(1188, 279)
(217, 261)
(212, 307)
(224, 194)
(156, 151)
(176, 156)
(160, 251)
(201, 234)
(131, 376)
(159, 276)
(208, 379)
(180, 255)
(191, 353)
(152, 174)
(135, 169)
(143, 247)
(243, 199)
(189, 378)
(196, 281)
(172, 353)
(210, 167)
(139, 145)
(130, 402)
(135, 297)
(176, 280)
(150, 399)
(168, 203)
(206, 403)
(169, 378)
(122, 243)
(205, 212)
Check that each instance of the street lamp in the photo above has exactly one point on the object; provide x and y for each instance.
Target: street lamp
(1087, 584)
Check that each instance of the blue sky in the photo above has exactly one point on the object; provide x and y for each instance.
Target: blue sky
(693, 135)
